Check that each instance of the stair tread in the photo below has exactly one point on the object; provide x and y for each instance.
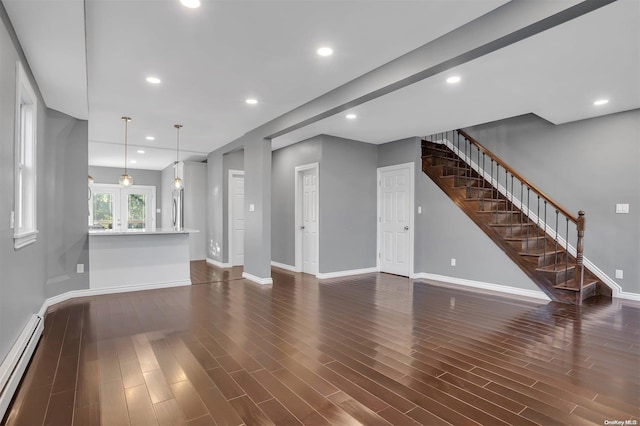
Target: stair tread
(523, 238)
(498, 211)
(573, 285)
(501, 225)
(560, 267)
(486, 200)
(541, 252)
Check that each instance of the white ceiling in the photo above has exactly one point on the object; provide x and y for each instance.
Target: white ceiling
(211, 59)
(557, 74)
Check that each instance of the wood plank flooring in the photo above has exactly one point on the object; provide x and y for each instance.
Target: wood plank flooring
(370, 349)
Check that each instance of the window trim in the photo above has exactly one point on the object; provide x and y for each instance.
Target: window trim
(25, 193)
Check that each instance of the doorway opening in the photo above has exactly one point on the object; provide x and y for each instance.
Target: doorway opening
(236, 217)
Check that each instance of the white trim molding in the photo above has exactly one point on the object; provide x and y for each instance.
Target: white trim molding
(217, 263)
(537, 294)
(338, 274)
(15, 363)
(283, 266)
(263, 281)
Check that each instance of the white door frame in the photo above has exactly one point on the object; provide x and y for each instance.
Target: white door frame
(411, 167)
(298, 214)
(230, 214)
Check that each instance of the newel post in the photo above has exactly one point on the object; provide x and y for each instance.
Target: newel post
(579, 253)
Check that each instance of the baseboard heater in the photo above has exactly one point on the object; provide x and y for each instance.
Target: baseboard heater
(17, 360)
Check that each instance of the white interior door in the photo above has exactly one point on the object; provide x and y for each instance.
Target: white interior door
(309, 221)
(395, 200)
(236, 208)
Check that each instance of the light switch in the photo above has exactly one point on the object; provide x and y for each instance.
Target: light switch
(158, 211)
(252, 207)
(622, 208)
(419, 209)
(453, 262)
(80, 268)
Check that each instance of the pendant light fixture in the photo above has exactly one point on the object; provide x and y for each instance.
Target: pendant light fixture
(177, 182)
(125, 179)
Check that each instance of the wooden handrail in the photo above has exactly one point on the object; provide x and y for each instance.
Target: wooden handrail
(518, 176)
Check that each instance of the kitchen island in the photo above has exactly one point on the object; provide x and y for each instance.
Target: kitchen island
(138, 259)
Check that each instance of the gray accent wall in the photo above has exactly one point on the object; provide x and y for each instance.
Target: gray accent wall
(257, 180)
(285, 161)
(347, 197)
(195, 190)
(47, 267)
(66, 203)
(586, 165)
(140, 177)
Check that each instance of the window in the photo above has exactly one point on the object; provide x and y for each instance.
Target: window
(24, 219)
(116, 208)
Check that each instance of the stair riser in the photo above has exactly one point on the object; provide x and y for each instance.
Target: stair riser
(560, 276)
(518, 231)
(487, 205)
(533, 245)
(548, 259)
(487, 193)
(440, 161)
(506, 218)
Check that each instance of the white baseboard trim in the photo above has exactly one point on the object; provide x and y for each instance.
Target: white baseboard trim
(218, 263)
(485, 286)
(263, 281)
(284, 266)
(616, 290)
(106, 290)
(17, 360)
(338, 274)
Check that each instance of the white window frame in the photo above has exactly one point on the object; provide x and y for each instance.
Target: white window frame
(24, 216)
(119, 216)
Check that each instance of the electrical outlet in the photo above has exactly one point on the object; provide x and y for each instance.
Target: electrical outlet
(619, 274)
(80, 268)
(453, 262)
(622, 208)
(252, 207)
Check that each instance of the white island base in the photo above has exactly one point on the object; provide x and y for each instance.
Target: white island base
(138, 260)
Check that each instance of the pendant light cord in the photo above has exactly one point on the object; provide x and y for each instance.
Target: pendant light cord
(126, 123)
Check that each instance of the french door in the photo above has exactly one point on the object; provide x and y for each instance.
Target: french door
(119, 209)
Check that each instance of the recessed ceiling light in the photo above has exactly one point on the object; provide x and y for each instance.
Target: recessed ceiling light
(601, 102)
(133, 161)
(351, 116)
(453, 79)
(153, 80)
(150, 138)
(191, 4)
(325, 51)
(140, 151)
(251, 101)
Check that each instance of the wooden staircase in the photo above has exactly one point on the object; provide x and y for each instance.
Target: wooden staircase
(461, 169)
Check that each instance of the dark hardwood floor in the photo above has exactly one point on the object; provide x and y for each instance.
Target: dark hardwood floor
(369, 349)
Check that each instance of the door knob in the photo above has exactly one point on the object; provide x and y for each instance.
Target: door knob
(302, 227)
(406, 228)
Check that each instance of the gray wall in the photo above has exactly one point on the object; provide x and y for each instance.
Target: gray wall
(195, 190)
(348, 205)
(61, 203)
(140, 177)
(587, 165)
(65, 198)
(257, 181)
(230, 161)
(285, 161)
(347, 234)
